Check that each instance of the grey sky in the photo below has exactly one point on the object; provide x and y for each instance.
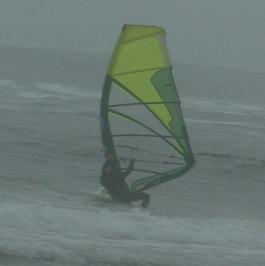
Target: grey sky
(228, 33)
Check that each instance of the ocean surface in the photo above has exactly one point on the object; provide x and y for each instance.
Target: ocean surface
(51, 157)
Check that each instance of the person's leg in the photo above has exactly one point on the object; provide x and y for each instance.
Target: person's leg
(121, 193)
(146, 199)
(110, 188)
(135, 196)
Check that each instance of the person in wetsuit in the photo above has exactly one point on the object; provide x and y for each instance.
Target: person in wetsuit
(113, 180)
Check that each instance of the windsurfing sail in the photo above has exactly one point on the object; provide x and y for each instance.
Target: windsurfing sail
(140, 110)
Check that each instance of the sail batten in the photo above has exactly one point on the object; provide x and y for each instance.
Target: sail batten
(142, 103)
(140, 109)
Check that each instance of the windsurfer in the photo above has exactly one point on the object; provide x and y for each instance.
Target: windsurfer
(113, 180)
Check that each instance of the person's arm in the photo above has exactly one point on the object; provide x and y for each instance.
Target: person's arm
(129, 169)
(107, 169)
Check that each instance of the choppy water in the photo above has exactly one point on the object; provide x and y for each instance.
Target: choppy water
(50, 160)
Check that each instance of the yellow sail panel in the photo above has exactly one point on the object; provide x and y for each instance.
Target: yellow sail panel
(139, 48)
(134, 83)
(134, 32)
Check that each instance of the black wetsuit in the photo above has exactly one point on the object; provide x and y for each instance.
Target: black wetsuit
(113, 180)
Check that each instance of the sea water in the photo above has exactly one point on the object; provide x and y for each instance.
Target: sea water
(51, 157)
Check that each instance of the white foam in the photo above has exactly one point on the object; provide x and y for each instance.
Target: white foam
(80, 235)
(46, 90)
(229, 123)
(227, 107)
(63, 90)
(7, 82)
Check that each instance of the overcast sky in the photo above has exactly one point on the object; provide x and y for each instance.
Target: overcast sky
(228, 33)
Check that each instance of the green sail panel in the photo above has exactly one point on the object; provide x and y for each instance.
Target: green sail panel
(140, 109)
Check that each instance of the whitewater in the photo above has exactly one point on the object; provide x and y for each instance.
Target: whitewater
(51, 157)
